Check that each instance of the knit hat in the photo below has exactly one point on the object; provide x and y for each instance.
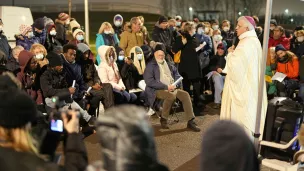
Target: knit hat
(39, 23)
(63, 16)
(54, 59)
(74, 24)
(76, 32)
(118, 17)
(16, 109)
(48, 21)
(274, 22)
(146, 50)
(250, 20)
(178, 17)
(221, 46)
(162, 19)
(24, 29)
(50, 27)
(298, 28)
(279, 47)
(160, 47)
(83, 47)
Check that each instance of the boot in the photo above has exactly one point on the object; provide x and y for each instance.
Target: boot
(164, 123)
(193, 126)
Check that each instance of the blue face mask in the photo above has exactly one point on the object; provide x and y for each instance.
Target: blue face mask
(79, 37)
(121, 57)
(30, 34)
(200, 31)
(139, 57)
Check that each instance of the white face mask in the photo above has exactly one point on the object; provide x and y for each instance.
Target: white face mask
(215, 27)
(139, 57)
(121, 57)
(117, 23)
(272, 28)
(107, 32)
(30, 34)
(200, 31)
(39, 56)
(226, 29)
(300, 39)
(178, 23)
(79, 37)
(53, 33)
(207, 30)
(217, 38)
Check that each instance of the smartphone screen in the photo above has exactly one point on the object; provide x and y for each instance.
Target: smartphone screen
(132, 56)
(56, 125)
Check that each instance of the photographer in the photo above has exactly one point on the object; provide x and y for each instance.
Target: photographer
(18, 149)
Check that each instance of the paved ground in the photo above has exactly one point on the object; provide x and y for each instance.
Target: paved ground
(178, 148)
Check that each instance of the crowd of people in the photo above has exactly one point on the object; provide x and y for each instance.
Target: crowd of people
(52, 59)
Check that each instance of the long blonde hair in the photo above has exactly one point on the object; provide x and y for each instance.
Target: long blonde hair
(103, 26)
(18, 139)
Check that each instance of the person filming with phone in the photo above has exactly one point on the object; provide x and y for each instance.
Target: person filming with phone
(19, 151)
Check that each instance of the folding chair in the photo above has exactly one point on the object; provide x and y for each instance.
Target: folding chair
(173, 118)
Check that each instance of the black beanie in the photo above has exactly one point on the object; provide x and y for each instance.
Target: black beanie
(39, 23)
(274, 22)
(162, 19)
(160, 47)
(279, 47)
(16, 109)
(54, 59)
(146, 49)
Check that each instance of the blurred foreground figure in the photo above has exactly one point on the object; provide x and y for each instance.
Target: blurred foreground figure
(127, 141)
(226, 147)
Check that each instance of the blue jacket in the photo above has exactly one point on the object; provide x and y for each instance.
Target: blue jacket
(40, 36)
(101, 40)
(27, 43)
(73, 72)
(208, 47)
(152, 79)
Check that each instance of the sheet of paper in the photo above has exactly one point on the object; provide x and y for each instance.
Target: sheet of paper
(279, 76)
(209, 75)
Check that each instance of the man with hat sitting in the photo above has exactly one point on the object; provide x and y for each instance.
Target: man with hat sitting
(159, 77)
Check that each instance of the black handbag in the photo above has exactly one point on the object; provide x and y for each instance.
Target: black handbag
(203, 60)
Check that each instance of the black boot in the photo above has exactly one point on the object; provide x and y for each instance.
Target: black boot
(193, 126)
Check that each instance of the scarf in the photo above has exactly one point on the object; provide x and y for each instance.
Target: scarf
(165, 73)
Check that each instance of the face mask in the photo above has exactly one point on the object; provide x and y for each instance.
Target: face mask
(30, 34)
(117, 23)
(111, 59)
(226, 29)
(215, 27)
(272, 28)
(107, 32)
(121, 57)
(200, 31)
(139, 56)
(79, 37)
(217, 38)
(39, 56)
(53, 33)
(178, 23)
(207, 30)
(300, 39)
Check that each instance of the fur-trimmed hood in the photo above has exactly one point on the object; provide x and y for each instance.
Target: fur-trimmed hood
(103, 52)
(140, 65)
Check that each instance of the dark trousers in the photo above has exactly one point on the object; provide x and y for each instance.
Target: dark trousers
(123, 97)
(196, 88)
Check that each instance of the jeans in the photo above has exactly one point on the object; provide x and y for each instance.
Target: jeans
(123, 97)
(218, 87)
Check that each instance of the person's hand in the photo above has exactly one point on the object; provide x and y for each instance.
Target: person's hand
(128, 61)
(231, 49)
(72, 125)
(72, 90)
(171, 87)
(96, 86)
(184, 40)
(43, 62)
(219, 70)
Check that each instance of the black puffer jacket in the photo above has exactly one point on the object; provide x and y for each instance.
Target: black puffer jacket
(164, 36)
(89, 72)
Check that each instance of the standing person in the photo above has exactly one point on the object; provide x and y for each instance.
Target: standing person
(279, 38)
(178, 20)
(4, 46)
(134, 38)
(298, 44)
(118, 21)
(39, 30)
(144, 30)
(61, 22)
(106, 36)
(26, 38)
(240, 95)
(189, 66)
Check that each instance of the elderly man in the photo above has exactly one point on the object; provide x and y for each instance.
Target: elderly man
(243, 67)
(159, 77)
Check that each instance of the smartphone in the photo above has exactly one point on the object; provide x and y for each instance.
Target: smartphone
(57, 125)
(132, 56)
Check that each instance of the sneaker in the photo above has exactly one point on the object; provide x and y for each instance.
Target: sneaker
(193, 126)
(150, 112)
(164, 123)
(92, 121)
(216, 106)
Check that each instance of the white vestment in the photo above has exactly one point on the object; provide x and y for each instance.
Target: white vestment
(240, 94)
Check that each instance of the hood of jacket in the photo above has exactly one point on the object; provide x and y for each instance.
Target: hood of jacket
(140, 65)
(104, 51)
(24, 58)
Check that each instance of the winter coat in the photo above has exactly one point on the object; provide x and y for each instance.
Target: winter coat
(26, 78)
(207, 50)
(61, 32)
(290, 68)
(105, 39)
(75, 158)
(106, 72)
(89, 72)
(216, 62)
(282, 40)
(130, 39)
(40, 36)
(13, 66)
(73, 72)
(228, 37)
(297, 48)
(152, 80)
(27, 43)
(189, 66)
(118, 30)
(5, 47)
(163, 36)
(50, 43)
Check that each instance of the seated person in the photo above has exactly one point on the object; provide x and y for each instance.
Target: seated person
(133, 68)
(270, 69)
(109, 73)
(53, 83)
(12, 63)
(217, 64)
(288, 64)
(40, 54)
(159, 77)
(28, 76)
(100, 92)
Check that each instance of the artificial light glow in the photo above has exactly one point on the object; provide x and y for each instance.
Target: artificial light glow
(190, 8)
(286, 11)
(291, 20)
(240, 13)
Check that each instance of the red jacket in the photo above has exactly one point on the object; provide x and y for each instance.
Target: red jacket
(291, 69)
(283, 40)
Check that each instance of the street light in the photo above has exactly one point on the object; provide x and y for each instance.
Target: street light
(286, 11)
(240, 13)
(190, 8)
(191, 13)
(291, 20)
